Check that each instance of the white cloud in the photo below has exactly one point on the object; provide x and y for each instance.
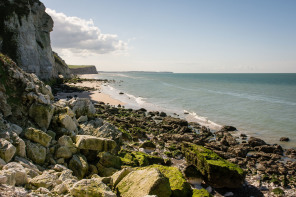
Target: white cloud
(77, 35)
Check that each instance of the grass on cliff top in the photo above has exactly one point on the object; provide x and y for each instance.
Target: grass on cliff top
(79, 66)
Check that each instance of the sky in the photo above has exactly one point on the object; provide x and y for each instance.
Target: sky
(188, 36)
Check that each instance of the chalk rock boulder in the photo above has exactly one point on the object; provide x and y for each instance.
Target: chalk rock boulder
(89, 142)
(46, 179)
(67, 122)
(35, 152)
(7, 150)
(38, 136)
(41, 114)
(21, 177)
(82, 107)
(78, 164)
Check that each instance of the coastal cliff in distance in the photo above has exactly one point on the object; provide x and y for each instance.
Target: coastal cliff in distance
(25, 37)
(80, 70)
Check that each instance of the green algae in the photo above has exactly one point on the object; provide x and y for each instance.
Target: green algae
(201, 193)
(178, 184)
(135, 158)
(278, 192)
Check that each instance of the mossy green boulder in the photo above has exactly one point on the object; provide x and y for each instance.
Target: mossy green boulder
(149, 181)
(216, 171)
(38, 136)
(135, 158)
(201, 193)
(178, 184)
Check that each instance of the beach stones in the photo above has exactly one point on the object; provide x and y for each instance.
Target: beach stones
(216, 171)
(89, 142)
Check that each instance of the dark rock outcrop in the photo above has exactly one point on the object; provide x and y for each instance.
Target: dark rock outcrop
(218, 172)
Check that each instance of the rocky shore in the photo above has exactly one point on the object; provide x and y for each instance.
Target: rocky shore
(74, 147)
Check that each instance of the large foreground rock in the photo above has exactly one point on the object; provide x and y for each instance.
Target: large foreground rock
(89, 142)
(144, 182)
(91, 187)
(7, 150)
(217, 172)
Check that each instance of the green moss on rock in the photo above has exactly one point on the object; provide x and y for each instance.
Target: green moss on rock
(135, 158)
(217, 172)
(201, 193)
(178, 184)
(278, 191)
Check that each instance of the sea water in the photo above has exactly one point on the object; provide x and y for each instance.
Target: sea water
(261, 105)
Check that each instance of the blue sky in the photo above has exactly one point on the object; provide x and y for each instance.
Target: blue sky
(181, 36)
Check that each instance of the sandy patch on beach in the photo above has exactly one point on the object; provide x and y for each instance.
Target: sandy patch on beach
(95, 95)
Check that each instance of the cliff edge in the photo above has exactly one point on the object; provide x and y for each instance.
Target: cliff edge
(25, 37)
(80, 70)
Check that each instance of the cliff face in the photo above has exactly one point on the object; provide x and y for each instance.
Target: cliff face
(25, 36)
(60, 67)
(84, 70)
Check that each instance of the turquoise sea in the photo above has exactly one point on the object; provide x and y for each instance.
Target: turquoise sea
(261, 105)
